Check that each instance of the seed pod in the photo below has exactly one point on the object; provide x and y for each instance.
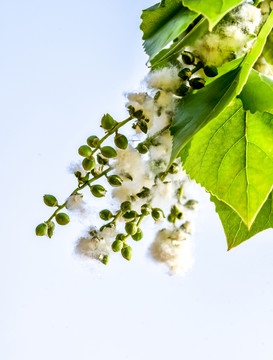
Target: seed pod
(88, 164)
(117, 245)
(174, 168)
(121, 141)
(85, 151)
(50, 200)
(142, 124)
(211, 71)
(101, 160)
(127, 252)
(93, 141)
(171, 218)
(120, 237)
(191, 204)
(185, 74)
(182, 90)
(145, 192)
(105, 259)
(142, 148)
(126, 206)
(106, 215)
(130, 214)
(197, 83)
(107, 122)
(131, 228)
(157, 214)
(138, 114)
(115, 180)
(62, 219)
(138, 235)
(41, 229)
(146, 209)
(188, 58)
(108, 152)
(98, 191)
(51, 227)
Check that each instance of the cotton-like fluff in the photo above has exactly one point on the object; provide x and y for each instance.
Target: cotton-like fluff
(163, 194)
(166, 79)
(163, 150)
(263, 67)
(247, 16)
(75, 202)
(142, 101)
(76, 167)
(173, 248)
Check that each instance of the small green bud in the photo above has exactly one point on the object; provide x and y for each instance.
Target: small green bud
(93, 141)
(174, 168)
(188, 58)
(142, 124)
(126, 206)
(171, 218)
(131, 228)
(121, 141)
(106, 215)
(51, 227)
(108, 152)
(85, 151)
(142, 148)
(105, 259)
(62, 219)
(130, 214)
(162, 175)
(182, 90)
(117, 245)
(115, 180)
(197, 83)
(211, 71)
(88, 164)
(185, 74)
(145, 192)
(98, 190)
(138, 114)
(191, 204)
(138, 235)
(50, 200)
(127, 252)
(146, 209)
(102, 160)
(120, 237)
(107, 122)
(157, 214)
(41, 229)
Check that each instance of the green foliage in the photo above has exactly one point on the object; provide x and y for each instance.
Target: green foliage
(235, 229)
(214, 10)
(232, 158)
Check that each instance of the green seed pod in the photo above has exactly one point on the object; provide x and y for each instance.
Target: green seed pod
(102, 160)
(146, 209)
(185, 74)
(117, 245)
(131, 228)
(106, 215)
(130, 214)
(93, 141)
(188, 58)
(145, 192)
(126, 206)
(115, 180)
(142, 148)
(174, 168)
(127, 252)
(120, 237)
(41, 229)
(138, 114)
(108, 152)
(171, 218)
(107, 122)
(142, 124)
(191, 204)
(62, 219)
(98, 191)
(51, 227)
(157, 214)
(182, 90)
(197, 83)
(50, 200)
(211, 71)
(85, 151)
(121, 141)
(105, 259)
(138, 235)
(88, 164)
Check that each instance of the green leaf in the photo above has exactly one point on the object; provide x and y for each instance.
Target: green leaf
(232, 157)
(196, 110)
(214, 10)
(257, 94)
(235, 229)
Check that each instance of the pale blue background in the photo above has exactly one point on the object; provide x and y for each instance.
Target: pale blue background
(63, 64)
